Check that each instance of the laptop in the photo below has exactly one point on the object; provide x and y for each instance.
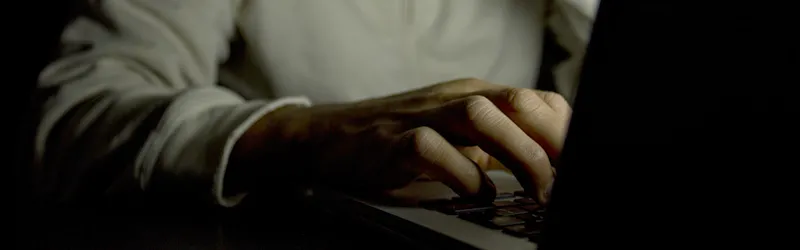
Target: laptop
(676, 107)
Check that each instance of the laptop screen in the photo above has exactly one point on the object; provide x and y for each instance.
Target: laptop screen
(679, 105)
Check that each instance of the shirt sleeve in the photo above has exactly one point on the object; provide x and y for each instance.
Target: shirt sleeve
(133, 105)
(571, 21)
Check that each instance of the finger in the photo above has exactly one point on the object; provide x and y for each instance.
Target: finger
(564, 114)
(483, 159)
(477, 119)
(435, 157)
(440, 93)
(535, 115)
(555, 101)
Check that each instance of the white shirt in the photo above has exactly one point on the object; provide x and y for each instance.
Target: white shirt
(155, 99)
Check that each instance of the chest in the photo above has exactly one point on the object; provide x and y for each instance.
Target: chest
(345, 50)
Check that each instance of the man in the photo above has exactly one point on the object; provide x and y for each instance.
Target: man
(400, 90)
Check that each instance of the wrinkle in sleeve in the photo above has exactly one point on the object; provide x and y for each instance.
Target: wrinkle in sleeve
(137, 109)
(571, 21)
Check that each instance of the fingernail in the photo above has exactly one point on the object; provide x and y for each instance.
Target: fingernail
(544, 195)
(543, 198)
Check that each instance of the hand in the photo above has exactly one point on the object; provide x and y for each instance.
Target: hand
(451, 132)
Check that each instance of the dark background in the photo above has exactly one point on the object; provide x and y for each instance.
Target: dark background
(33, 42)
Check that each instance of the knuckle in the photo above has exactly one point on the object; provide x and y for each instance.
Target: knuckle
(477, 101)
(423, 140)
(478, 107)
(554, 99)
(536, 152)
(523, 100)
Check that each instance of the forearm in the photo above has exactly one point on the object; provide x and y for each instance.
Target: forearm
(150, 139)
(137, 109)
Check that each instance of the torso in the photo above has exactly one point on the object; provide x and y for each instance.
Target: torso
(345, 50)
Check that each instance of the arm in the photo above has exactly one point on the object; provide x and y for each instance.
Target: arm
(137, 108)
(571, 21)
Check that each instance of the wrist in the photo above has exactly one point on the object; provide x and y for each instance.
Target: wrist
(262, 144)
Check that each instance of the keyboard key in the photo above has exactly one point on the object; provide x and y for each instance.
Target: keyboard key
(504, 203)
(525, 201)
(510, 211)
(522, 230)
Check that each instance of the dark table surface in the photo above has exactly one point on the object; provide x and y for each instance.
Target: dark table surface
(274, 225)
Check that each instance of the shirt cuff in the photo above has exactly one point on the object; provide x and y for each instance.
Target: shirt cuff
(219, 175)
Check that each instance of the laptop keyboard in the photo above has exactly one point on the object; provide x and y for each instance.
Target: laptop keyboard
(512, 213)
